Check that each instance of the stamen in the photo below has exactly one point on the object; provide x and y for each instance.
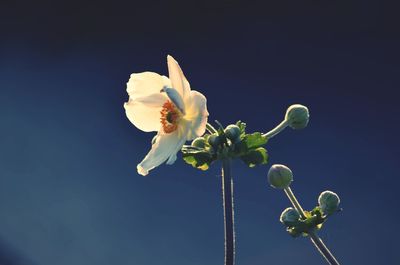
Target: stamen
(170, 116)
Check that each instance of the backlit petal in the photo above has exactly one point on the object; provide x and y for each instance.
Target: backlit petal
(163, 148)
(183, 131)
(196, 114)
(145, 84)
(144, 112)
(175, 97)
(178, 79)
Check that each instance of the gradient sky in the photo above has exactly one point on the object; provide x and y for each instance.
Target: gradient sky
(69, 191)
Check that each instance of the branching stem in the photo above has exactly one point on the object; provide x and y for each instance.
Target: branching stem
(315, 239)
(281, 126)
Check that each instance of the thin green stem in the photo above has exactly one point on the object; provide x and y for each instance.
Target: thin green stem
(229, 224)
(295, 202)
(210, 128)
(281, 126)
(322, 248)
(315, 239)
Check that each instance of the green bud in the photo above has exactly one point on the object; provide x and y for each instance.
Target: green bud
(297, 116)
(232, 132)
(199, 142)
(214, 140)
(280, 176)
(328, 202)
(290, 217)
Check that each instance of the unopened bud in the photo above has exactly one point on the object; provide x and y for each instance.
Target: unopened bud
(232, 132)
(280, 176)
(214, 140)
(290, 217)
(328, 202)
(297, 116)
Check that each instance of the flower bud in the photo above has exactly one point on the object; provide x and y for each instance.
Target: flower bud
(199, 142)
(232, 132)
(297, 116)
(280, 176)
(290, 217)
(214, 140)
(328, 202)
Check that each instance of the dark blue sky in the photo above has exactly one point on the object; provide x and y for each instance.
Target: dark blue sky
(69, 191)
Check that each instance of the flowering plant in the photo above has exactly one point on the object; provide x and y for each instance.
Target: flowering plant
(178, 114)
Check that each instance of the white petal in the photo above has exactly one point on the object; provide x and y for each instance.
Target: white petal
(145, 84)
(178, 79)
(172, 158)
(196, 114)
(182, 133)
(165, 146)
(175, 97)
(144, 112)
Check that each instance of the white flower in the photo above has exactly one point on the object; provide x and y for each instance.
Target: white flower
(168, 106)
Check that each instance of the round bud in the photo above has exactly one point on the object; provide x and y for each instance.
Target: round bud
(214, 140)
(232, 132)
(280, 176)
(328, 202)
(289, 217)
(297, 116)
(199, 142)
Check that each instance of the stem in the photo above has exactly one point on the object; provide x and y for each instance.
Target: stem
(281, 126)
(227, 196)
(294, 201)
(210, 128)
(315, 239)
(319, 244)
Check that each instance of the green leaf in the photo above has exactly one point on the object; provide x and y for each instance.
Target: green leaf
(254, 140)
(242, 127)
(313, 220)
(198, 159)
(293, 231)
(255, 157)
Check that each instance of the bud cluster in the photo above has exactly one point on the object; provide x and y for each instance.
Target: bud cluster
(229, 142)
(296, 225)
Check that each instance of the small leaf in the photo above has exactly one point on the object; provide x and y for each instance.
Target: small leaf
(254, 140)
(293, 231)
(198, 159)
(314, 220)
(255, 157)
(242, 127)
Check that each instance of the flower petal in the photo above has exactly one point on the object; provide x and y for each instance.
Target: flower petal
(172, 158)
(182, 133)
(144, 112)
(165, 146)
(175, 97)
(196, 114)
(145, 84)
(178, 80)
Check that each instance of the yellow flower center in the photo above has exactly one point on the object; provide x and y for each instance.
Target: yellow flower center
(170, 116)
